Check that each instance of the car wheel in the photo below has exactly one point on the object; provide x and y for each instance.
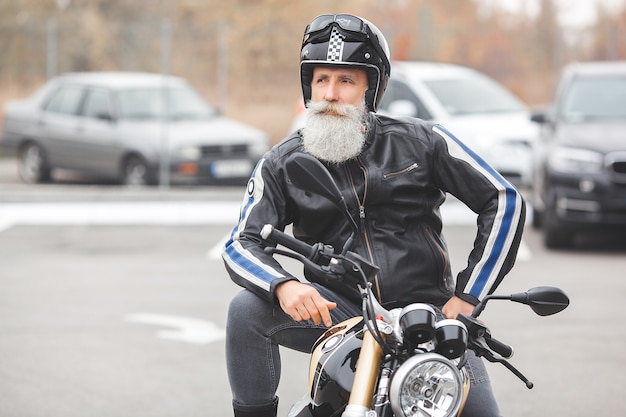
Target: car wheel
(32, 165)
(555, 235)
(135, 172)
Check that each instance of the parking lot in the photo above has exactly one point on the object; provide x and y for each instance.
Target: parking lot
(112, 303)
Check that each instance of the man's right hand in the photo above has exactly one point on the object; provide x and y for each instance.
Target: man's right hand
(304, 302)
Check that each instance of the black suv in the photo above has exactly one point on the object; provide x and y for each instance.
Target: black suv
(580, 162)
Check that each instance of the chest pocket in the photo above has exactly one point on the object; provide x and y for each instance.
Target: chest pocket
(386, 183)
(401, 171)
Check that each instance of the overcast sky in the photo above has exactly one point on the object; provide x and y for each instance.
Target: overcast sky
(572, 13)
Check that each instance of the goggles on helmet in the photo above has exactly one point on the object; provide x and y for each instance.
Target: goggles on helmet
(344, 21)
(350, 25)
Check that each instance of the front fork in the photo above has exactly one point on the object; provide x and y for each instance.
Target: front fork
(381, 405)
(365, 377)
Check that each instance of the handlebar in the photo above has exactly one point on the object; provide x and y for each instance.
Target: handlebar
(322, 258)
(500, 348)
(269, 233)
(480, 338)
(313, 256)
(315, 252)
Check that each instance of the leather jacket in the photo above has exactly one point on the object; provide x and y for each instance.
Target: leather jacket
(394, 190)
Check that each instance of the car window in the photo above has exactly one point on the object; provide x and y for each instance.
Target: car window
(398, 91)
(97, 104)
(65, 100)
(476, 95)
(591, 98)
(150, 103)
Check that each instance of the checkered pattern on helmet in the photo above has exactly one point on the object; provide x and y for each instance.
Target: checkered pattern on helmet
(335, 46)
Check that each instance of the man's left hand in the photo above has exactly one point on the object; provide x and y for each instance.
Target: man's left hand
(456, 305)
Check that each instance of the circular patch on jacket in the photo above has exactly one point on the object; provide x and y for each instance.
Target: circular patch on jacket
(250, 187)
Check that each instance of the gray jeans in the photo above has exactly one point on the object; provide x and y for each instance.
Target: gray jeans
(256, 328)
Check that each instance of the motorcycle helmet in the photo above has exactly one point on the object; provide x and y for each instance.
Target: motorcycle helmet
(346, 40)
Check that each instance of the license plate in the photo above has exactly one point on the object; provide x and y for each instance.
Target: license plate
(231, 168)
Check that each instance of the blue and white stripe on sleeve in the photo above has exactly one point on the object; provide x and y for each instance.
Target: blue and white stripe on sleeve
(239, 259)
(505, 224)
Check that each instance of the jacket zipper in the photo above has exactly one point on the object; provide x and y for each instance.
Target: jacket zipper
(361, 204)
(402, 171)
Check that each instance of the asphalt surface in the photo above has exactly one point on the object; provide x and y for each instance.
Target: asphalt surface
(113, 303)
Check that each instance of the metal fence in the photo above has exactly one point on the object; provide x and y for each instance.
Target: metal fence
(203, 54)
(40, 52)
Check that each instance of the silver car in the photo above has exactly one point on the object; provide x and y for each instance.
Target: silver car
(128, 127)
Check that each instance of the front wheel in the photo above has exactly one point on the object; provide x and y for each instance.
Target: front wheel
(32, 164)
(135, 172)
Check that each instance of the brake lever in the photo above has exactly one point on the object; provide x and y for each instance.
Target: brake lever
(491, 357)
(478, 335)
(330, 272)
(294, 255)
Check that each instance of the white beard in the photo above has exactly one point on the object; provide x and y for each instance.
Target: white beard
(336, 137)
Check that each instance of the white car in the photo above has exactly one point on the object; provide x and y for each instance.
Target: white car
(131, 127)
(475, 108)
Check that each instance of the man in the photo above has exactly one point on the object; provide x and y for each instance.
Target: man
(394, 174)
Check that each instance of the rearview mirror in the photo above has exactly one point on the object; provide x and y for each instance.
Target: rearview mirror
(544, 301)
(308, 174)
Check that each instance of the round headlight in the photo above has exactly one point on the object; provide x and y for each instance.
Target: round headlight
(426, 385)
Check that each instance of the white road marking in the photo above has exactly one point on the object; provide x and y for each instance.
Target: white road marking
(6, 224)
(453, 213)
(215, 253)
(123, 213)
(148, 212)
(183, 329)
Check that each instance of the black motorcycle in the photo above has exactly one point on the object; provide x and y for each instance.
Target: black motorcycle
(403, 362)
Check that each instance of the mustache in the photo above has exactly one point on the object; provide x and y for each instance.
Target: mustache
(339, 109)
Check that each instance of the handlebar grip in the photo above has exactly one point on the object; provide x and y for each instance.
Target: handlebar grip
(500, 348)
(270, 234)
